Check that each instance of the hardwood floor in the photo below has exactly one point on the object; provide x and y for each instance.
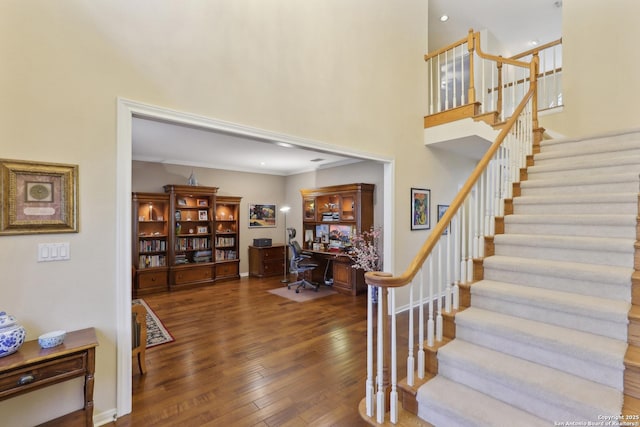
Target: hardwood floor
(245, 357)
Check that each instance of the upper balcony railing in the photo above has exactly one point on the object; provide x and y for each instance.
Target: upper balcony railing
(462, 74)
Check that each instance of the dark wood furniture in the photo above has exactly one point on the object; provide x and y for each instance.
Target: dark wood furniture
(330, 216)
(150, 242)
(184, 237)
(227, 256)
(32, 368)
(139, 335)
(266, 261)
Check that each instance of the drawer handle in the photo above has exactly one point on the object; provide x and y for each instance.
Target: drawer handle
(26, 379)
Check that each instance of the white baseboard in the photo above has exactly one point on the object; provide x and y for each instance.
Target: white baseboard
(105, 417)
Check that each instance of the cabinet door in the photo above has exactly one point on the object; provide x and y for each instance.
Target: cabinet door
(342, 276)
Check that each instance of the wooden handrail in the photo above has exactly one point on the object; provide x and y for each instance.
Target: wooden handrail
(382, 279)
(496, 58)
(446, 48)
(538, 49)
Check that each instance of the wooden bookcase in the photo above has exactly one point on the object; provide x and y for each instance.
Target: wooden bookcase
(191, 251)
(227, 237)
(330, 215)
(150, 213)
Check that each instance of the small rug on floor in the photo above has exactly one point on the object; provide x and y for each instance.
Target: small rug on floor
(156, 332)
(307, 294)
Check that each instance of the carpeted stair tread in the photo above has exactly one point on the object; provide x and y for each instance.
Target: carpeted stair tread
(628, 147)
(545, 391)
(582, 345)
(603, 316)
(603, 225)
(568, 201)
(449, 404)
(591, 166)
(583, 243)
(608, 140)
(611, 275)
(589, 198)
(626, 182)
(596, 250)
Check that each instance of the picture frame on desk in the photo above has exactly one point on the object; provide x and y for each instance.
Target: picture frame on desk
(420, 208)
(38, 197)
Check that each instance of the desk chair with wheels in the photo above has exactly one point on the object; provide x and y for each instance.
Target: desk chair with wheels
(299, 265)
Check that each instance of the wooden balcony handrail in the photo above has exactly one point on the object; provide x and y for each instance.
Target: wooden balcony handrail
(496, 58)
(385, 280)
(446, 48)
(538, 49)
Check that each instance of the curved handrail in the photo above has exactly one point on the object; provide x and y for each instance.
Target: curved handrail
(385, 280)
(538, 49)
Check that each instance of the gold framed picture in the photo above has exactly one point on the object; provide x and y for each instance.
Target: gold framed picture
(38, 197)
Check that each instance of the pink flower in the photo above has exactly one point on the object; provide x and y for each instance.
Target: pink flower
(364, 250)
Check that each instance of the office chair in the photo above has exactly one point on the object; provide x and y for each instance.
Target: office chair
(139, 335)
(299, 265)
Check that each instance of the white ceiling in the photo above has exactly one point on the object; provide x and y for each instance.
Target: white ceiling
(513, 23)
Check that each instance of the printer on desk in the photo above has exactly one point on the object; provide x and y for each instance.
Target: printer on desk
(262, 242)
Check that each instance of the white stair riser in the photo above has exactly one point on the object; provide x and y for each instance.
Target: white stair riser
(547, 173)
(518, 398)
(562, 189)
(562, 229)
(619, 259)
(540, 280)
(559, 316)
(586, 144)
(574, 208)
(543, 354)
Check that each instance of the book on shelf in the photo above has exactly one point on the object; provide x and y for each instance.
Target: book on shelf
(149, 261)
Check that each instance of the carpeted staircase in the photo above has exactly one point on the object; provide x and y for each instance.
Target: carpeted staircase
(545, 336)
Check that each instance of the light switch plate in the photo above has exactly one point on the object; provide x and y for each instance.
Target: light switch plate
(53, 251)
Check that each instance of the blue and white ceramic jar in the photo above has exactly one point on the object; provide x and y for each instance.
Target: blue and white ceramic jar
(12, 334)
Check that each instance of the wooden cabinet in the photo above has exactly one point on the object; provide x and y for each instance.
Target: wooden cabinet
(330, 216)
(227, 237)
(33, 368)
(150, 242)
(266, 261)
(191, 259)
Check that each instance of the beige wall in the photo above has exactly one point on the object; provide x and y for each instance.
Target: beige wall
(347, 73)
(600, 66)
(344, 73)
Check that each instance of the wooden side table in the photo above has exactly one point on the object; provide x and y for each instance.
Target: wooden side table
(32, 368)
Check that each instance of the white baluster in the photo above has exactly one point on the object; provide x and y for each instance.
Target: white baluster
(369, 390)
(394, 362)
(447, 294)
(463, 243)
(430, 323)
(380, 406)
(410, 359)
(456, 255)
(421, 327)
(439, 316)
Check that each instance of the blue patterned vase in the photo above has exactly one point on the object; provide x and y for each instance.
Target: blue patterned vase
(12, 334)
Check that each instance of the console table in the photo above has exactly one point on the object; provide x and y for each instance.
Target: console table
(32, 368)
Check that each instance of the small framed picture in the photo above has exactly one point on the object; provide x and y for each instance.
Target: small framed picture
(203, 230)
(202, 202)
(420, 207)
(202, 215)
(441, 210)
(182, 202)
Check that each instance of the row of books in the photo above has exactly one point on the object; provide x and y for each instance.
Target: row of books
(225, 255)
(202, 256)
(153, 245)
(225, 241)
(148, 261)
(192, 243)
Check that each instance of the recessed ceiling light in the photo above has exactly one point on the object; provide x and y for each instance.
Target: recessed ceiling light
(262, 163)
(444, 18)
(534, 42)
(284, 144)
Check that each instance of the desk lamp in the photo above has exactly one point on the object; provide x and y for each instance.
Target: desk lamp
(284, 210)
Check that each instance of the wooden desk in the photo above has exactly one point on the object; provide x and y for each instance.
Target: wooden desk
(346, 280)
(32, 368)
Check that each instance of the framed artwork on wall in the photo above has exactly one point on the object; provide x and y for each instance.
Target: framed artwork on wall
(262, 215)
(420, 207)
(441, 210)
(38, 197)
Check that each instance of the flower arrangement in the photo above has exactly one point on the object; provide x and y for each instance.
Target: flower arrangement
(364, 249)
